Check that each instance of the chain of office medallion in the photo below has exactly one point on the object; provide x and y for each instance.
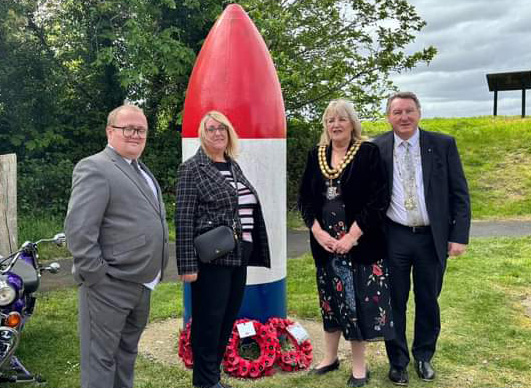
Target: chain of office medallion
(333, 173)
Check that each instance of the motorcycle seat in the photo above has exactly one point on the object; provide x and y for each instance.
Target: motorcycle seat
(29, 275)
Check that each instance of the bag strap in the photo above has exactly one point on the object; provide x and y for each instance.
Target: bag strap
(234, 224)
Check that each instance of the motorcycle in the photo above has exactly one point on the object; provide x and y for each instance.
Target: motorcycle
(20, 275)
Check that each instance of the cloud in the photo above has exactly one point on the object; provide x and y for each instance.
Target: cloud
(473, 38)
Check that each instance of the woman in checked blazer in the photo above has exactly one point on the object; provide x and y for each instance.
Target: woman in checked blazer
(207, 197)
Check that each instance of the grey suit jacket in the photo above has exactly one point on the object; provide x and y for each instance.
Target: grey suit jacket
(445, 186)
(114, 224)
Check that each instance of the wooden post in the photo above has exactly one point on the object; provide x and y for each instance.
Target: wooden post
(523, 102)
(495, 102)
(8, 204)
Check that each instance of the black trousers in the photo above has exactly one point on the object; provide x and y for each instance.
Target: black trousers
(216, 299)
(413, 253)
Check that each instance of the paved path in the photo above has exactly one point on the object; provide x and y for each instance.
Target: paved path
(298, 241)
(298, 244)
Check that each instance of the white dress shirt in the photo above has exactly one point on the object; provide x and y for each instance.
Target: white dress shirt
(397, 210)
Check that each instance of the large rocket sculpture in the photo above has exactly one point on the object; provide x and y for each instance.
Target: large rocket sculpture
(234, 74)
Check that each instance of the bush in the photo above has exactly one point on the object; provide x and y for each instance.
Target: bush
(302, 137)
(44, 185)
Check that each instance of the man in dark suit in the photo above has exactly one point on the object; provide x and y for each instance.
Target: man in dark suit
(428, 220)
(117, 233)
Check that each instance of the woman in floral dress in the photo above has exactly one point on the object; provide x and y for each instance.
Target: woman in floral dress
(343, 199)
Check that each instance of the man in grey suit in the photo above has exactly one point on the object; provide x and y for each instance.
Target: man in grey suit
(117, 233)
(428, 220)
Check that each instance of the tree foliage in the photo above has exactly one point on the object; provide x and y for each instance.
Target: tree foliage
(325, 49)
(64, 64)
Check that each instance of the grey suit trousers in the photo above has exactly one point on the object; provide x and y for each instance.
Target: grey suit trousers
(112, 315)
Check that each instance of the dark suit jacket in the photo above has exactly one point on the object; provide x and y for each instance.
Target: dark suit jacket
(445, 187)
(365, 195)
(114, 224)
(205, 200)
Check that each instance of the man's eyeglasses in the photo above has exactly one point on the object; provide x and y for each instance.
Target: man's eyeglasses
(220, 129)
(130, 131)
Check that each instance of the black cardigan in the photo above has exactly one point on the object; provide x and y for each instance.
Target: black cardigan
(364, 191)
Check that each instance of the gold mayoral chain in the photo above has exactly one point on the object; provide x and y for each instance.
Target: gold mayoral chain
(334, 173)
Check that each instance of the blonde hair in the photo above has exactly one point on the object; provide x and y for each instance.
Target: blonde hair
(232, 144)
(341, 107)
(111, 118)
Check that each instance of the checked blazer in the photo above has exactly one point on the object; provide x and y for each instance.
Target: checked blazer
(205, 200)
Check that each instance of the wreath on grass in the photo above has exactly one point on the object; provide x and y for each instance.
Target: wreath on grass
(185, 347)
(252, 356)
(256, 356)
(291, 355)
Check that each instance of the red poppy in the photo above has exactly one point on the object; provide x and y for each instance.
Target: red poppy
(339, 286)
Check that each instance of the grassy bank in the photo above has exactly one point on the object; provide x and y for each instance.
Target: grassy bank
(485, 338)
(496, 156)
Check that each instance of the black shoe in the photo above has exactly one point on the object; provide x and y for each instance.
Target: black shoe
(325, 369)
(225, 385)
(355, 382)
(425, 370)
(398, 376)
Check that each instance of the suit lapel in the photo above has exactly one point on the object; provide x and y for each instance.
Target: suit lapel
(158, 200)
(426, 154)
(128, 170)
(212, 172)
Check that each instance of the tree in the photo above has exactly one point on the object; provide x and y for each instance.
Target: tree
(325, 49)
(64, 64)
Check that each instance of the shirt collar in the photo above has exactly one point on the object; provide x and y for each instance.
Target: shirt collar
(413, 140)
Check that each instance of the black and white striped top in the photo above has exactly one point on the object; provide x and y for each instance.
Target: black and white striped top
(246, 201)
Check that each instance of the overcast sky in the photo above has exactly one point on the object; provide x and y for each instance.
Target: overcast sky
(473, 38)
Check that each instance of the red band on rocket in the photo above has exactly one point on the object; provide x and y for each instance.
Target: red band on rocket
(234, 74)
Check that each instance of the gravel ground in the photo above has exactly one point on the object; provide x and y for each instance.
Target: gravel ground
(160, 340)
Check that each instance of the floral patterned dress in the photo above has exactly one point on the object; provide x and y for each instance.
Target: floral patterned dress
(354, 297)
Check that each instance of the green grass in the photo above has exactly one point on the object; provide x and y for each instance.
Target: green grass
(496, 156)
(485, 339)
(36, 227)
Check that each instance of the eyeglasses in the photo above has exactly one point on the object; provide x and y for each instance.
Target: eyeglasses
(220, 129)
(130, 131)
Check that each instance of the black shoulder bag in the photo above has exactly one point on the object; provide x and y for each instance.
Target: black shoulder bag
(219, 241)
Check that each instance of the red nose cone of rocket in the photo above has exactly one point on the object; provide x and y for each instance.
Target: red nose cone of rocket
(235, 75)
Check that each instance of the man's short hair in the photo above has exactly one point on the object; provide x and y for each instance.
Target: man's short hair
(111, 118)
(404, 95)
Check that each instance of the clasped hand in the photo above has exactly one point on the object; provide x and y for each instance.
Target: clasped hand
(341, 246)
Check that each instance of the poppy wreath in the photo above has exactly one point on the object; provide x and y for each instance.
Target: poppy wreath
(300, 356)
(266, 338)
(185, 347)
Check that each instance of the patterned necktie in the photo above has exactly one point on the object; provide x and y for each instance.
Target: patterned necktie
(411, 199)
(142, 179)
